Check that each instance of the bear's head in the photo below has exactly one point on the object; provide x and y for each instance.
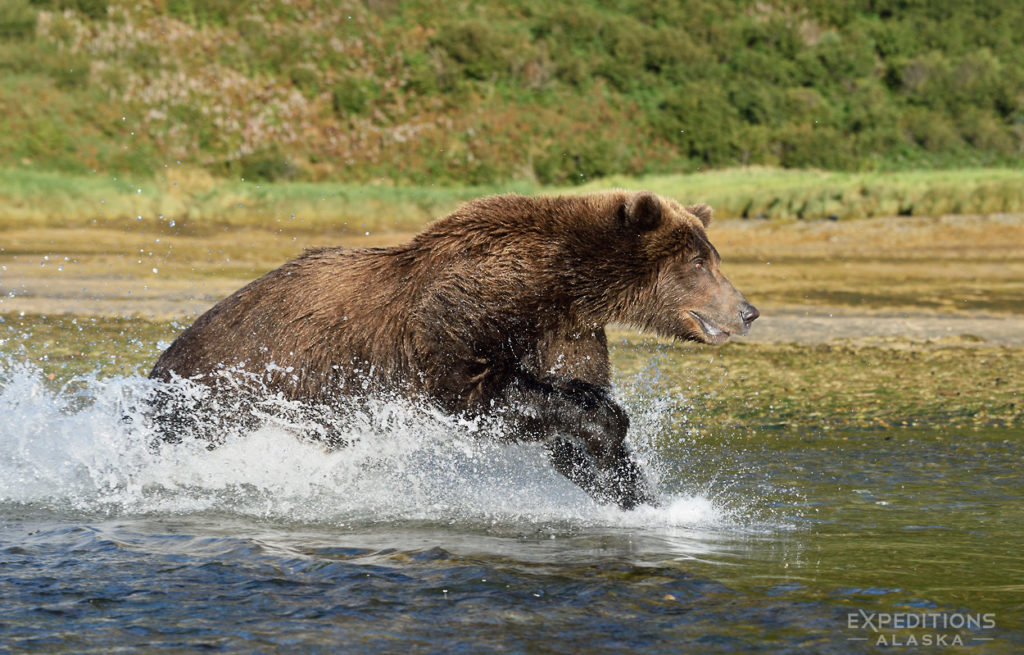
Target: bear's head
(687, 297)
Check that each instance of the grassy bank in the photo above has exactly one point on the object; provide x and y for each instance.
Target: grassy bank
(549, 92)
(191, 200)
(792, 195)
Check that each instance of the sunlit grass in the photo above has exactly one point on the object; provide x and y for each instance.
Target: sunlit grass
(190, 200)
(798, 194)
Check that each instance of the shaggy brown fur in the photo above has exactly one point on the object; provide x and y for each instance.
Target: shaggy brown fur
(504, 301)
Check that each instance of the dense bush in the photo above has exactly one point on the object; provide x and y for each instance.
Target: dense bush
(265, 166)
(17, 20)
(551, 90)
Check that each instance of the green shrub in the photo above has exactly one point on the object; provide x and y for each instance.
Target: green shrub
(206, 12)
(815, 147)
(144, 56)
(580, 161)
(569, 28)
(94, 9)
(846, 56)
(700, 119)
(16, 59)
(422, 76)
(478, 48)
(932, 130)
(351, 96)
(572, 71)
(923, 79)
(983, 131)
(253, 29)
(71, 72)
(623, 53)
(17, 20)
(306, 78)
(268, 165)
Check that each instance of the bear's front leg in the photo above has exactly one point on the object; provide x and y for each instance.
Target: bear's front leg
(619, 480)
(585, 431)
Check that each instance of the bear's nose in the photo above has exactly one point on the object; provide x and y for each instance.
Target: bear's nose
(748, 313)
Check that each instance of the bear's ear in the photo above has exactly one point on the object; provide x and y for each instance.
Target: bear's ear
(642, 212)
(701, 211)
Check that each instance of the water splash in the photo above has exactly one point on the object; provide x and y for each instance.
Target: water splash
(85, 446)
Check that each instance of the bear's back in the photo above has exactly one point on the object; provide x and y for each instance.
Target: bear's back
(321, 315)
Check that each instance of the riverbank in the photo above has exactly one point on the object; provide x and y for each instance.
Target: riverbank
(182, 200)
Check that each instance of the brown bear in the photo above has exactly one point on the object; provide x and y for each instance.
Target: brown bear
(499, 307)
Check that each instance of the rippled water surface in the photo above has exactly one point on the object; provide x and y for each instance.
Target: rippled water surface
(426, 536)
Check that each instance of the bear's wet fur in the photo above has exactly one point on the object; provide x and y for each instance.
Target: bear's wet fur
(500, 306)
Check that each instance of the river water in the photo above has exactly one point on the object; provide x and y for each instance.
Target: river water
(424, 536)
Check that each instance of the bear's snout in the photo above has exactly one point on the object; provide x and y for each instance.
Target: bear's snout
(747, 314)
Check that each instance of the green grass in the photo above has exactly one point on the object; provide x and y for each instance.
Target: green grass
(192, 201)
(794, 194)
(195, 202)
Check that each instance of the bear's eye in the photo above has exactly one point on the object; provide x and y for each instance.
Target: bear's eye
(698, 264)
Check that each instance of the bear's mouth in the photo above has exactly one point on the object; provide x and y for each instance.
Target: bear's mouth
(712, 334)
